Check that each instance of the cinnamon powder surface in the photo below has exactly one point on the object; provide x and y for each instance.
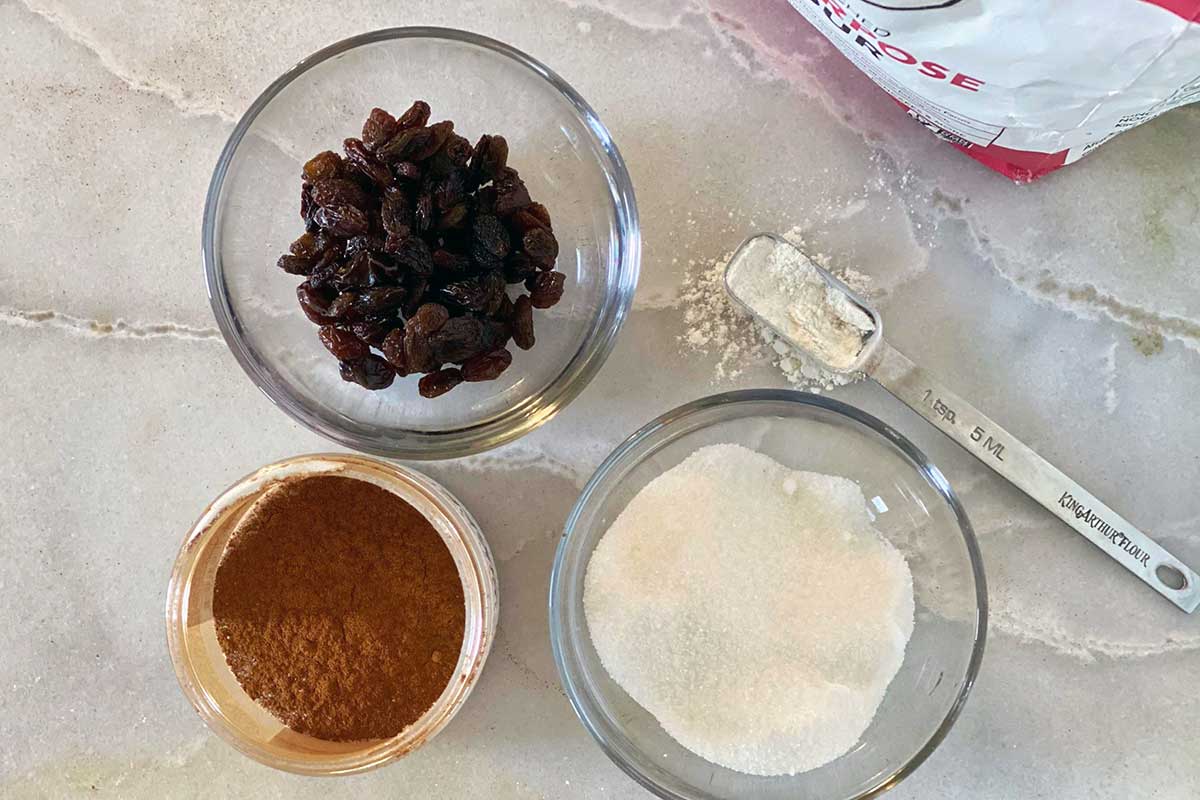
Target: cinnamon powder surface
(339, 608)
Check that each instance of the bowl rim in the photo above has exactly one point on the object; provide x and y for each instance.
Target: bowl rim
(478, 637)
(673, 418)
(532, 411)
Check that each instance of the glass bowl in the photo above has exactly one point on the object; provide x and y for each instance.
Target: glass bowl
(914, 508)
(563, 152)
(213, 689)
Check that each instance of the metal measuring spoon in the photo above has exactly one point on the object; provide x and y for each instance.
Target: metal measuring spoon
(978, 435)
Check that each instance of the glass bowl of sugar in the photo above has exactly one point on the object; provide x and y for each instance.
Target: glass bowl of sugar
(806, 654)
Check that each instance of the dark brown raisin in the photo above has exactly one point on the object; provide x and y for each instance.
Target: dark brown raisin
(489, 241)
(505, 311)
(374, 331)
(309, 245)
(407, 171)
(423, 215)
(447, 262)
(438, 383)
(450, 191)
(486, 366)
(416, 116)
(396, 214)
(522, 221)
(479, 293)
(429, 318)
(538, 210)
(454, 218)
(457, 340)
(314, 303)
(326, 164)
(379, 127)
(344, 345)
(370, 372)
(545, 288)
(485, 200)
(392, 347)
(413, 254)
(361, 271)
(458, 151)
(295, 265)
(541, 246)
(511, 194)
(342, 307)
(404, 144)
(307, 208)
(376, 301)
(522, 323)
(418, 351)
(361, 161)
(439, 133)
(338, 192)
(490, 156)
(344, 221)
(518, 266)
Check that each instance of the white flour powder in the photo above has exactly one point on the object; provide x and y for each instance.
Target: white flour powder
(752, 609)
(716, 327)
(786, 289)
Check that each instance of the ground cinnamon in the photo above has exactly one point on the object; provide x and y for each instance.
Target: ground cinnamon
(339, 608)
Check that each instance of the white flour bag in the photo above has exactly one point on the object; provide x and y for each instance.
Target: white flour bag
(1023, 86)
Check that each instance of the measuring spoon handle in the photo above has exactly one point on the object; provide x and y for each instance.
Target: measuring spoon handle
(1036, 476)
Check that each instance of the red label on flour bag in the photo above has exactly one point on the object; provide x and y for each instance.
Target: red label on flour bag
(1023, 87)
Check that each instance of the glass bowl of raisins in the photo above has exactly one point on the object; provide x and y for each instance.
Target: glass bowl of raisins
(420, 243)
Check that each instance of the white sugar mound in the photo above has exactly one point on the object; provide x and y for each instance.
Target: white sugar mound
(752, 609)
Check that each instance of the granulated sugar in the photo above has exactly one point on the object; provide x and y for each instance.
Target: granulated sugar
(716, 327)
(752, 609)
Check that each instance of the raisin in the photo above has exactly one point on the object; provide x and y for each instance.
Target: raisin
(307, 208)
(307, 246)
(413, 253)
(489, 240)
(375, 301)
(342, 307)
(407, 171)
(295, 265)
(541, 246)
(314, 303)
(344, 221)
(392, 347)
(454, 218)
(438, 383)
(415, 117)
(522, 323)
(429, 318)
(458, 151)
(519, 266)
(545, 288)
(450, 191)
(511, 194)
(362, 162)
(490, 156)
(446, 261)
(330, 192)
(480, 293)
(417, 286)
(505, 311)
(404, 144)
(485, 200)
(439, 134)
(457, 340)
(523, 221)
(361, 271)
(397, 214)
(486, 366)
(374, 331)
(379, 127)
(344, 345)
(538, 210)
(423, 216)
(370, 372)
(326, 164)
(418, 351)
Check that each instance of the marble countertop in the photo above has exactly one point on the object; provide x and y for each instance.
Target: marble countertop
(1069, 309)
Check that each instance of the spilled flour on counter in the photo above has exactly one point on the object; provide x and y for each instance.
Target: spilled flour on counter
(716, 327)
(752, 609)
